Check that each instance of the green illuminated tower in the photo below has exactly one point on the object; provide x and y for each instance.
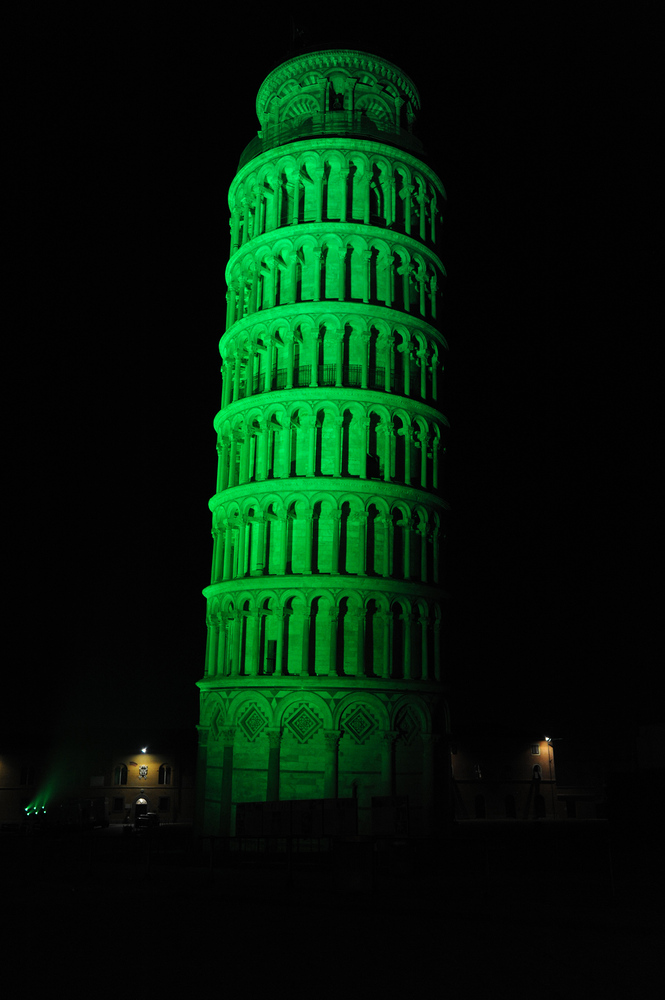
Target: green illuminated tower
(324, 675)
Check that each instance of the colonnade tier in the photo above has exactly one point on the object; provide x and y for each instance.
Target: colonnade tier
(334, 262)
(332, 180)
(340, 347)
(324, 632)
(288, 533)
(305, 438)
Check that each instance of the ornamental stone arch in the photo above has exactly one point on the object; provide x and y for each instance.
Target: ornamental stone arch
(214, 713)
(303, 104)
(375, 705)
(303, 719)
(417, 706)
(238, 710)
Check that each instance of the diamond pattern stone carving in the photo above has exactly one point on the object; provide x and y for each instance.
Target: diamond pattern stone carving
(360, 725)
(303, 724)
(407, 726)
(252, 723)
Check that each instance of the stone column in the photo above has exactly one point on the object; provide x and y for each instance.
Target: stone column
(422, 364)
(308, 526)
(360, 517)
(422, 531)
(388, 537)
(289, 360)
(359, 616)
(367, 256)
(390, 363)
(317, 274)
(282, 543)
(244, 215)
(332, 661)
(279, 647)
(344, 177)
(226, 383)
(432, 290)
(384, 622)
(341, 257)
(274, 747)
(222, 464)
(334, 559)
(337, 424)
(424, 623)
(364, 361)
(308, 423)
(237, 365)
(221, 664)
(259, 549)
(407, 619)
(428, 741)
(388, 739)
(436, 627)
(408, 191)
(435, 377)
(406, 354)
(235, 230)
(386, 428)
(318, 186)
(253, 623)
(407, 433)
(339, 351)
(264, 450)
(331, 738)
(423, 438)
(364, 436)
(237, 643)
(228, 550)
(227, 736)
(241, 546)
(217, 556)
(270, 354)
(211, 646)
(303, 614)
(406, 557)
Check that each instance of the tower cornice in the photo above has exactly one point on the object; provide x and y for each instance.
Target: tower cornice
(327, 60)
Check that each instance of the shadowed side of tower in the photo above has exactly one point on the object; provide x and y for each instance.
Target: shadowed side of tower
(324, 674)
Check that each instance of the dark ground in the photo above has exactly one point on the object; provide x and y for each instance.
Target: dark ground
(560, 910)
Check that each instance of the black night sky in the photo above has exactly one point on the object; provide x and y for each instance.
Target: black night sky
(554, 563)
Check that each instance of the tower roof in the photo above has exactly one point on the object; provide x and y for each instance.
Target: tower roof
(303, 75)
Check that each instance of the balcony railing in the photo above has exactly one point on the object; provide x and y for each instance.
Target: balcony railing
(326, 376)
(334, 123)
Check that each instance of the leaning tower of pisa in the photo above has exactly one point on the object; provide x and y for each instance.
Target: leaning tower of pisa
(324, 674)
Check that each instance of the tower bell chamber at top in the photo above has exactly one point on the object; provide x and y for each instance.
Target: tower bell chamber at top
(324, 674)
